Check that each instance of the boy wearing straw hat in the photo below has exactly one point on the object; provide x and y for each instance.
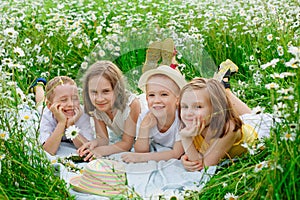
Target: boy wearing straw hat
(158, 128)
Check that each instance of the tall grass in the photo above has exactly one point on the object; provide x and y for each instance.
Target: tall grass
(49, 38)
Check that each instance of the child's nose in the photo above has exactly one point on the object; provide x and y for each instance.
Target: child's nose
(70, 102)
(99, 97)
(190, 111)
(157, 98)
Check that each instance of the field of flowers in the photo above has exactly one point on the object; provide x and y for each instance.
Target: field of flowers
(44, 38)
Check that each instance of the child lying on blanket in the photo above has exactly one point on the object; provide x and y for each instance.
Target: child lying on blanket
(63, 110)
(160, 125)
(212, 126)
(111, 106)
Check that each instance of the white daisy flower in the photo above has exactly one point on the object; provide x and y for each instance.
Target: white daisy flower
(271, 63)
(19, 51)
(260, 166)
(289, 136)
(84, 65)
(27, 41)
(4, 135)
(295, 51)
(10, 32)
(2, 156)
(272, 86)
(292, 63)
(72, 132)
(270, 37)
(230, 196)
(101, 53)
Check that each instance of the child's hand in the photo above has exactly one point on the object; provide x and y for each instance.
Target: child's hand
(86, 148)
(191, 165)
(132, 157)
(78, 112)
(57, 111)
(195, 129)
(89, 155)
(149, 121)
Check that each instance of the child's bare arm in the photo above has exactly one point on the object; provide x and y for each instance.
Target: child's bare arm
(142, 142)
(176, 152)
(101, 132)
(51, 145)
(190, 150)
(190, 165)
(127, 138)
(128, 135)
(219, 148)
(79, 141)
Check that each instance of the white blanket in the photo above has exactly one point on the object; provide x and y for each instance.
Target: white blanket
(157, 178)
(149, 179)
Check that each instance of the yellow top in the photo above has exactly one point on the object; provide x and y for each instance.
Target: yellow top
(249, 136)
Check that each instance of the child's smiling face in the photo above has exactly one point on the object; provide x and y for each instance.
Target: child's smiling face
(162, 96)
(101, 93)
(66, 95)
(193, 104)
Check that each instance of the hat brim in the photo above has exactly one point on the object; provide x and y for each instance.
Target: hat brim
(173, 74)
(74, 182)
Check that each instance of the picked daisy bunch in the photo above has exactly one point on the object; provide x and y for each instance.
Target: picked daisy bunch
(71, 133)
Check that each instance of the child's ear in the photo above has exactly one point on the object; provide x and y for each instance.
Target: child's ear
(49, 104)
(177, 101)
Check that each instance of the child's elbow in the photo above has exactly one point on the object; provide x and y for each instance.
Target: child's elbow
(50, 151)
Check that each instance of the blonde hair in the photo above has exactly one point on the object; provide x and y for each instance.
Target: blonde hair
(113, 74)
(222, 110)
(53, 83)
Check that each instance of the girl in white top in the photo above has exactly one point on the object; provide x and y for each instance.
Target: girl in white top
(159, 125)
(108, 102)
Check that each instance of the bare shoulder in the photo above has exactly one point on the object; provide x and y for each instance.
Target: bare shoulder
(135, 109)
(135, 104)
(234, 135)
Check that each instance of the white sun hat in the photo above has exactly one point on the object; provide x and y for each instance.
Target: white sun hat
(168, 71)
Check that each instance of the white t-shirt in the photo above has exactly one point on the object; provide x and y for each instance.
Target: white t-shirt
(49, 123)
(166, 139)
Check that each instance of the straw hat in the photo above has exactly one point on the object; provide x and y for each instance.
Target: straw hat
(173, 74)
(102, 177)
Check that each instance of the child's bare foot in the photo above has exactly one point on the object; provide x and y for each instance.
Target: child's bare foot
(152, 57)
(167, 51)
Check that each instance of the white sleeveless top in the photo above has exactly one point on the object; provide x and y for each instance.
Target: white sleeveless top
(117, 124)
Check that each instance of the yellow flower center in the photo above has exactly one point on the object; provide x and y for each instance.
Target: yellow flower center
(2, 135)
(288, 135)
(26, 117)
(259, 166)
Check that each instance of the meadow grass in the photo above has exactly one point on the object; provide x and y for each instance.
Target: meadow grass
(50, 38)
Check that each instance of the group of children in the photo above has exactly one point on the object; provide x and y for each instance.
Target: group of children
(197, 122)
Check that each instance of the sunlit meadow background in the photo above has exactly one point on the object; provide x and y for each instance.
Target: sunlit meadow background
(49, 38)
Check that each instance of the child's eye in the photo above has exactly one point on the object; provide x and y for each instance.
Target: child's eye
(75, 97)
(164, 94)
(106, 91)
(93, 92)
(183, 106)
(150, 95)
(63, 100)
